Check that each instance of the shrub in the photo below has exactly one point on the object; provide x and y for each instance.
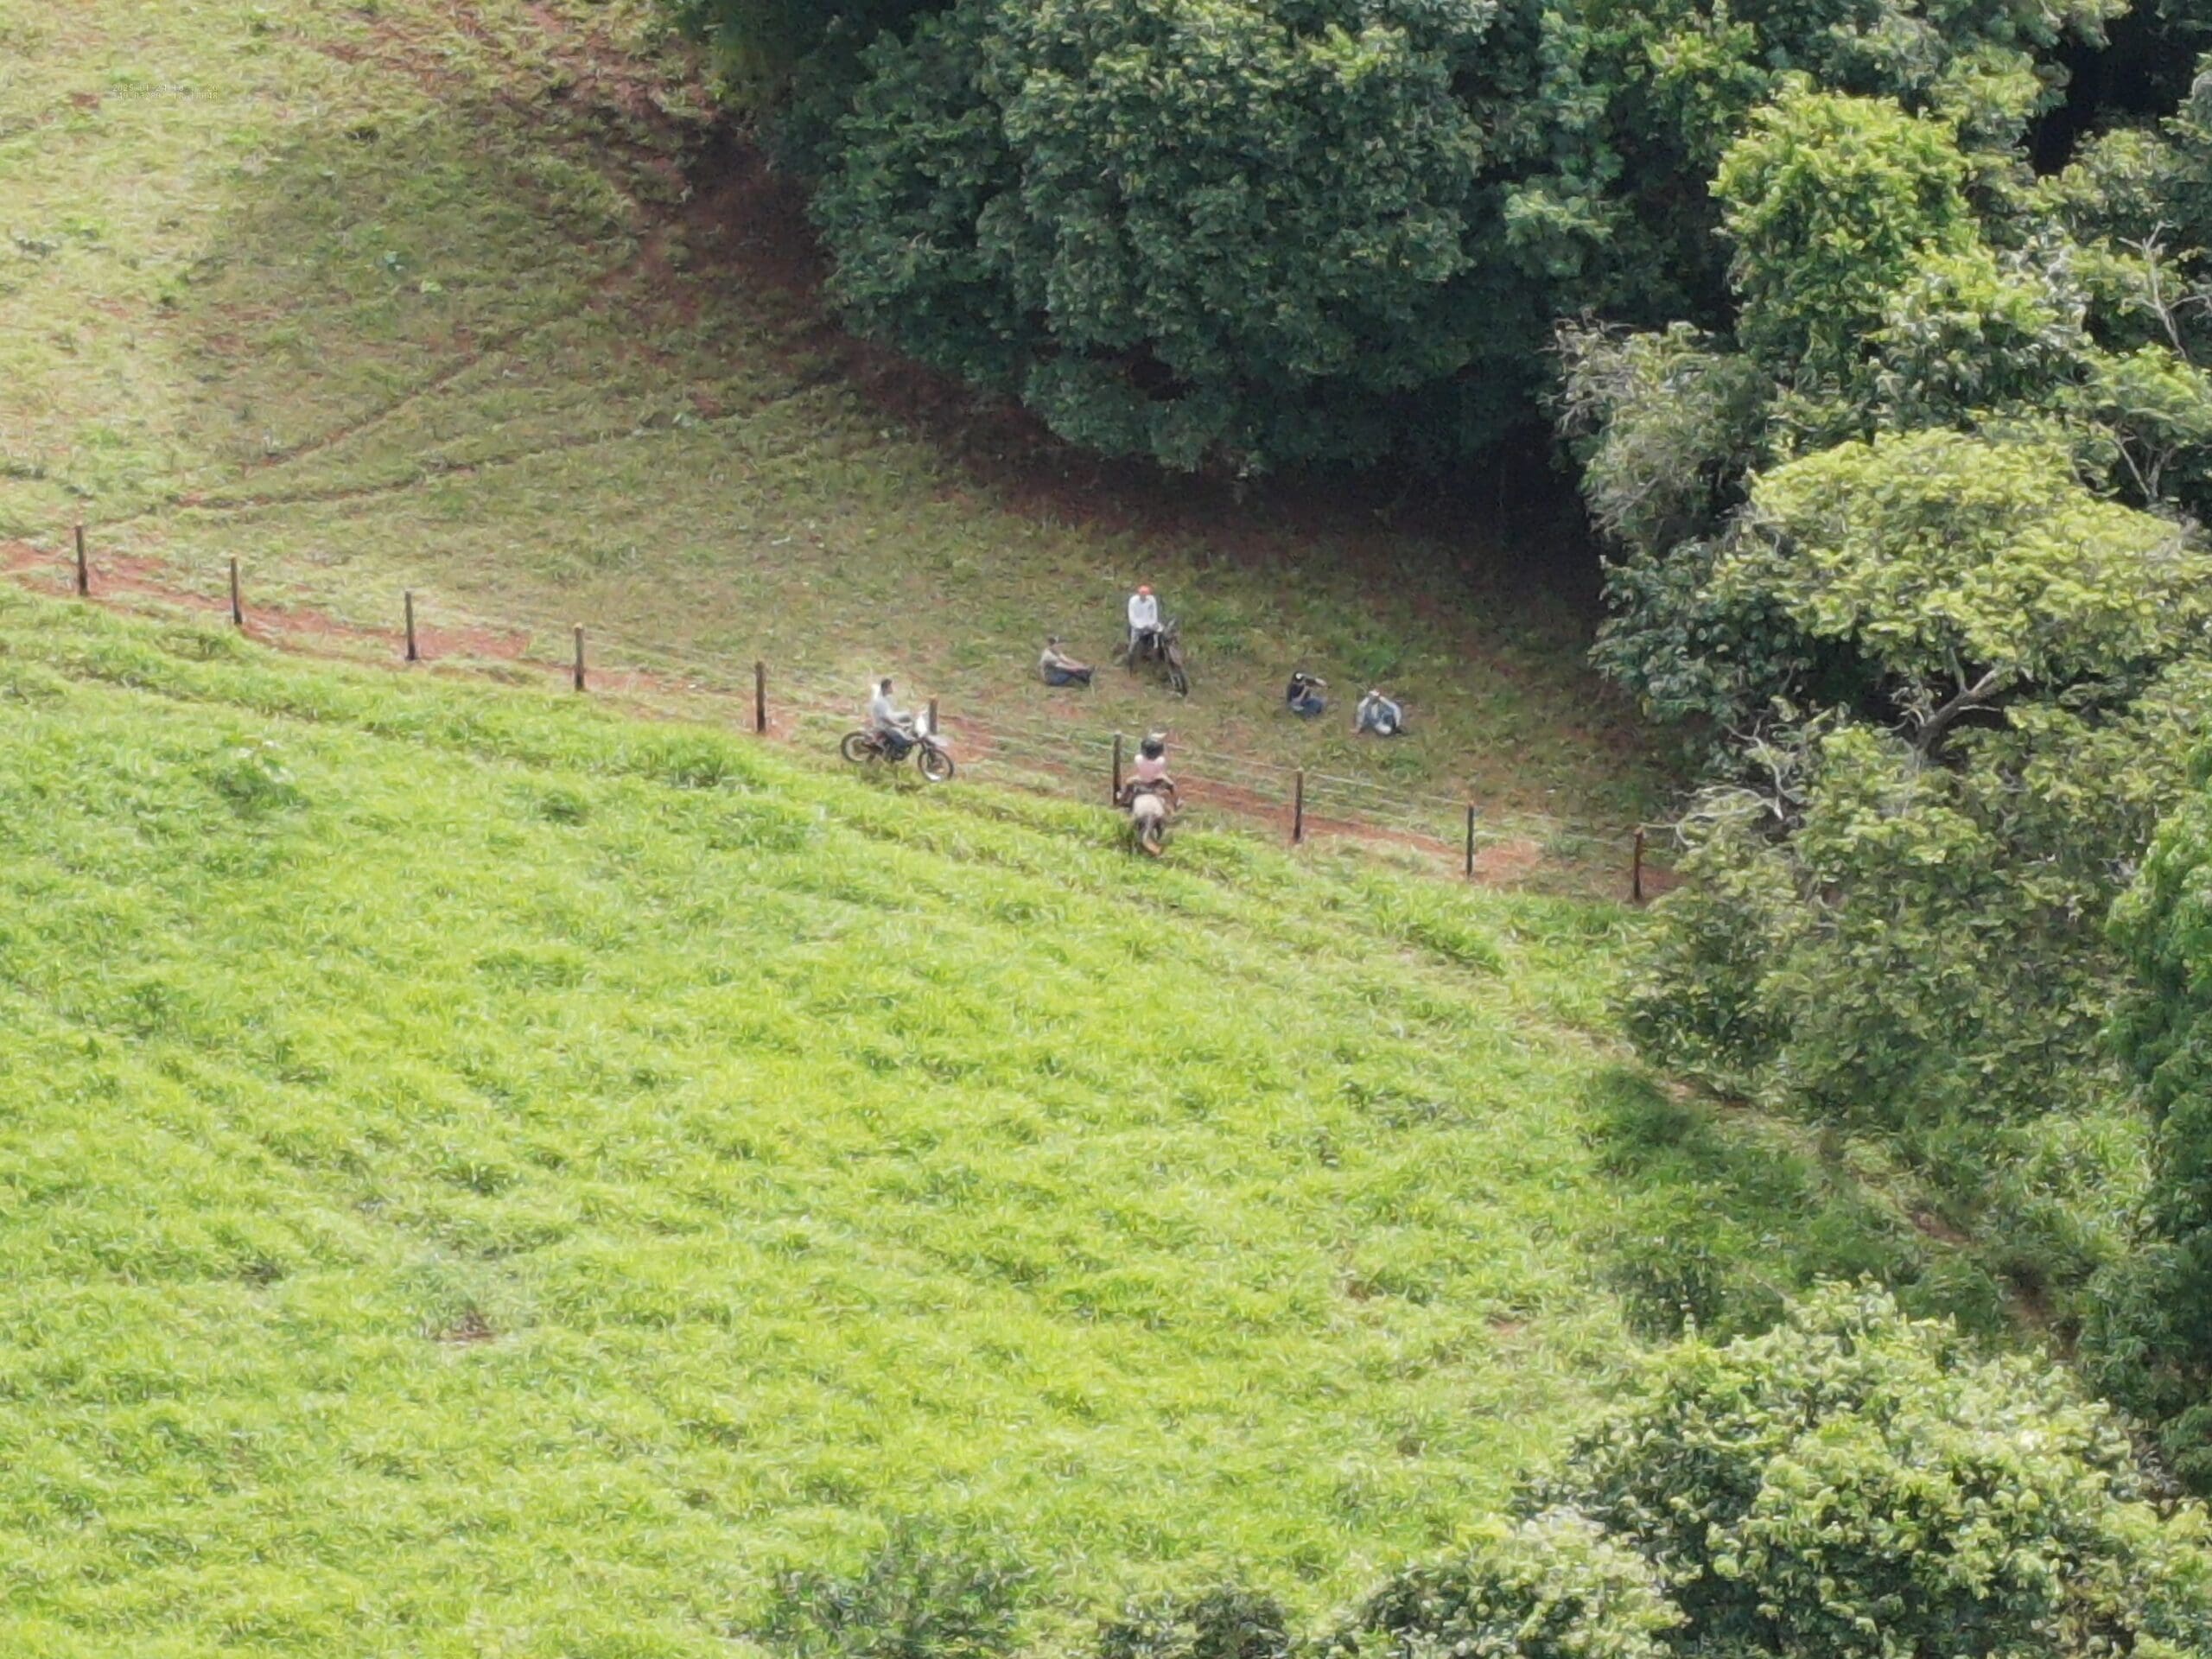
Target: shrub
(1552, 1587)
(1226, 1622)
(915, 1597)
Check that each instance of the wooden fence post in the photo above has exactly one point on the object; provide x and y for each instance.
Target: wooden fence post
(84, 565)
(1636, 870)
(413, 655)
(1298, 808)
(933, 730)
(238, 603)
(1116, 798)
(1471, 840)
(760, 696)
(580, 656)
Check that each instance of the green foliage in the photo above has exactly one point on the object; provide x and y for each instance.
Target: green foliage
(1855, 1482)
(1668, 425)
(1921, 957)
(1230, 1622)
(1831, 202)
(1958, 568)
(1977, 329)
(1068, 201)
(1251, 234)
(2153, 1342)
(914, 1598)
(1552, 1587)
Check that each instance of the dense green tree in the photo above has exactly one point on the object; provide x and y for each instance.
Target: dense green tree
(1552, 1587)
(1921, 952)
(1205, 231)
(1854, 1482)
(1247, 234)
(1894, 922)
(1227, 1622)
(2152, 1340)
(1957, 570)
(1831, 203)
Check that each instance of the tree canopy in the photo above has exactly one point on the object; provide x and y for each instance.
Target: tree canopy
(1256, 233)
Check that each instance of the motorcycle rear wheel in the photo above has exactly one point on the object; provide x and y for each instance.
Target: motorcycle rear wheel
(858, 747)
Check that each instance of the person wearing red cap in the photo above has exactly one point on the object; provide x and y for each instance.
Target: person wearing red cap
(1144, 622)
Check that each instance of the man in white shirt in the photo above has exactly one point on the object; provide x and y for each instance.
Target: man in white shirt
(890, 723)
(1378, 715)
(1144, 622)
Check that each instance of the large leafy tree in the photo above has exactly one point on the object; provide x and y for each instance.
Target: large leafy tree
(1202, 230)
(1851, 1484)
(1831, 202)
(1957, 572)
(1248, 233)
(2152, 1342)
(1856, 1484)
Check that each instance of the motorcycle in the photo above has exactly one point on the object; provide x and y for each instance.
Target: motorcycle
(1165, 647)
(1152, 808)
(932, 758)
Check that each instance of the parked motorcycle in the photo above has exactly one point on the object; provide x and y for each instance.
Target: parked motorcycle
(1164, 649)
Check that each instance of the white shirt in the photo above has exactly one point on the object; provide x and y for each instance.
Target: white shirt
(882, 715)
(1144, 611)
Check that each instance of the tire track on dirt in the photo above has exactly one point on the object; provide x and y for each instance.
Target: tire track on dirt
(423, 477)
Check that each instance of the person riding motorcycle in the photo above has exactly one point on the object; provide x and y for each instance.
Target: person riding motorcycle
(892, 726)
(1150, 774)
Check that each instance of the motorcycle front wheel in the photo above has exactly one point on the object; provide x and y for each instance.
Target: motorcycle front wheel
(936, 764)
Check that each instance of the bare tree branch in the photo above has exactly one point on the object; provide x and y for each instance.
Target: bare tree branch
(1976, 695)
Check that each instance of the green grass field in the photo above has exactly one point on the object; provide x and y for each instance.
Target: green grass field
(482, 1174)
(479, 1175)
(404, 292)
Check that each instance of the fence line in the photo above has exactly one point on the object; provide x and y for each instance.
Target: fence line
(809, 695)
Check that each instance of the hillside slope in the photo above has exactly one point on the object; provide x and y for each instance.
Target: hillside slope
(478, 1175)
(461, 296)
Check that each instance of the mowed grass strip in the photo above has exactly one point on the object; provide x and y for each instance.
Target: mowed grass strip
(479, 1176)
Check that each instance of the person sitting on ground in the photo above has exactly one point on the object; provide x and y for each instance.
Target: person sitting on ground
(1144, 623)
(1060, 669)
(1378, 715)
(1304, 698)
(892, 726)
(1150, 771)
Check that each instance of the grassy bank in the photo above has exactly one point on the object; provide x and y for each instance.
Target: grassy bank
(483, 1176)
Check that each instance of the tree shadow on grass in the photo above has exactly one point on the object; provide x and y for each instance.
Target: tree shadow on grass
(1717, 1216)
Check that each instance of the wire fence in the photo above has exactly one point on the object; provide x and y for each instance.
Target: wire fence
(803, 703)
